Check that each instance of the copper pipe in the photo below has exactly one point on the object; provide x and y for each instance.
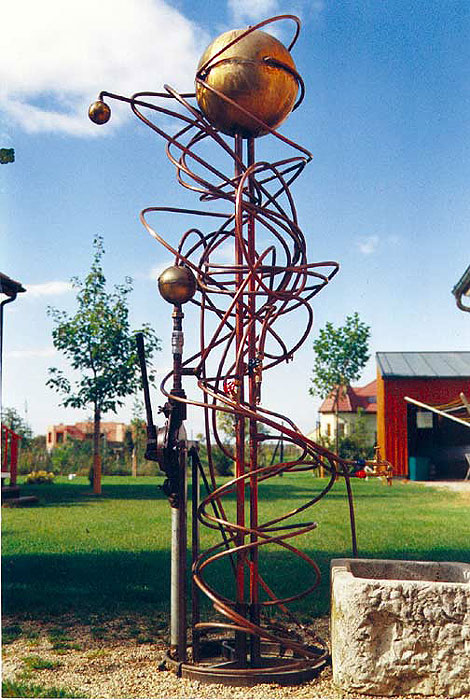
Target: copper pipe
(241, 305)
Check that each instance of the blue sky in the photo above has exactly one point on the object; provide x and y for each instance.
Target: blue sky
(386, 195)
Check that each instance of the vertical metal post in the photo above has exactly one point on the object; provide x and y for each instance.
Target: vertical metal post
(178, 613)
(240, 637)
(253, 429)
(178, 633)
(195, 494)
(14, 439)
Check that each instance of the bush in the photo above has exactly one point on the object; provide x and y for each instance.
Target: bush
(40, 477)
(34, 455)
(222, 463)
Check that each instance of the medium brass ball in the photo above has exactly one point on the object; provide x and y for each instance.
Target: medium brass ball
(177, 284)
(99, 112)
(242, 74)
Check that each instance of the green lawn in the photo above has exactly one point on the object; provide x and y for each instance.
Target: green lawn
(104, 556)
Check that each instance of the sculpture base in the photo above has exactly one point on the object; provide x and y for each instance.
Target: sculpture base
(275, 665)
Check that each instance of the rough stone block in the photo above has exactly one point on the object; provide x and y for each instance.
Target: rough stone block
(401, 627)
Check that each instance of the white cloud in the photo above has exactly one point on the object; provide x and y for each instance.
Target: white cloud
(157, 270)
(368, 244)
(48, 288)
(246, 11)
(55, 58)
(30, 354)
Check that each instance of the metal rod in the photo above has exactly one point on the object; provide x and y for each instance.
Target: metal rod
(240, 637)
(436, 410)
(195, 609)
(352, 517)
(151, 430)
(253, 425)
(178, 605)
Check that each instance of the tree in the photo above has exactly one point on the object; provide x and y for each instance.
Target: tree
(12, 419)
(340, 356)
(136, 436)
(7, 155)
(101, 348)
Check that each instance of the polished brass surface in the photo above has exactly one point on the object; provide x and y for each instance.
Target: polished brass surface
(177, 285)
(99, 112)
(255, 72)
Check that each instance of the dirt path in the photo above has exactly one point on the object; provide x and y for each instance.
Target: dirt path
(460, 486)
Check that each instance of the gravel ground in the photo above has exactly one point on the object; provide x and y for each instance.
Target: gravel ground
(113, 660)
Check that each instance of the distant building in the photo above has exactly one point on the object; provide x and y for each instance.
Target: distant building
(406, 432)
(114, 433)
(352, 402)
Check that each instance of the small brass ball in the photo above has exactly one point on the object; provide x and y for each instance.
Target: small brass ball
(99, 112)
(243, 74)
(177, 284)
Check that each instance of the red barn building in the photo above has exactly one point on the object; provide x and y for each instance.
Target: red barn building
(406, 432)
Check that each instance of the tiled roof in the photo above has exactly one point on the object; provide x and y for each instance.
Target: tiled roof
(364, 397)
(424, 364)
(75, 432)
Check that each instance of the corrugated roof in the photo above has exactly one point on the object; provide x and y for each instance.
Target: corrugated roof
(424, 364)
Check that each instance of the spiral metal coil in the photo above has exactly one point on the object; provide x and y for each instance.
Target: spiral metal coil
(242, 307)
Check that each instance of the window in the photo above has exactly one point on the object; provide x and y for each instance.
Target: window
(328, 429)
(424, 419)
(59, 438)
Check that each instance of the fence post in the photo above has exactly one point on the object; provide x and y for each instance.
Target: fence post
(14, 439)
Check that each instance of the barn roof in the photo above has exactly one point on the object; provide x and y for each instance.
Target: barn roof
(444, 365)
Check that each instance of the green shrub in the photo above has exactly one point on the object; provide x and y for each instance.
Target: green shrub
(34, 455)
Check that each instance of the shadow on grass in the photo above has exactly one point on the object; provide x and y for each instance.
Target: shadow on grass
(108, 583)
(93, 582)
(278, 488)
(81, 494)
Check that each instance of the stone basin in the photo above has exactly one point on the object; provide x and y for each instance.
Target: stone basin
(401, 627)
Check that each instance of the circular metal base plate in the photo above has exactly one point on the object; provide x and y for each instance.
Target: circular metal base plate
(216, 666)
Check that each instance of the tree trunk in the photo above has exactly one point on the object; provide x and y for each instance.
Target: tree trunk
(96, 453)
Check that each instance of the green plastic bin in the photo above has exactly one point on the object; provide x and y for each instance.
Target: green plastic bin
(419, 468)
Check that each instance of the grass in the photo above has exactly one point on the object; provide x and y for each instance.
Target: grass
(10, 633)
(99, 557)
(38, 663)
(19, 689)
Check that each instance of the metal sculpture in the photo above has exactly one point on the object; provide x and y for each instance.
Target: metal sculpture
(246, 85)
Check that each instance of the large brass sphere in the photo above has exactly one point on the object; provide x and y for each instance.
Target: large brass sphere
(177, 284)
(242, 74)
